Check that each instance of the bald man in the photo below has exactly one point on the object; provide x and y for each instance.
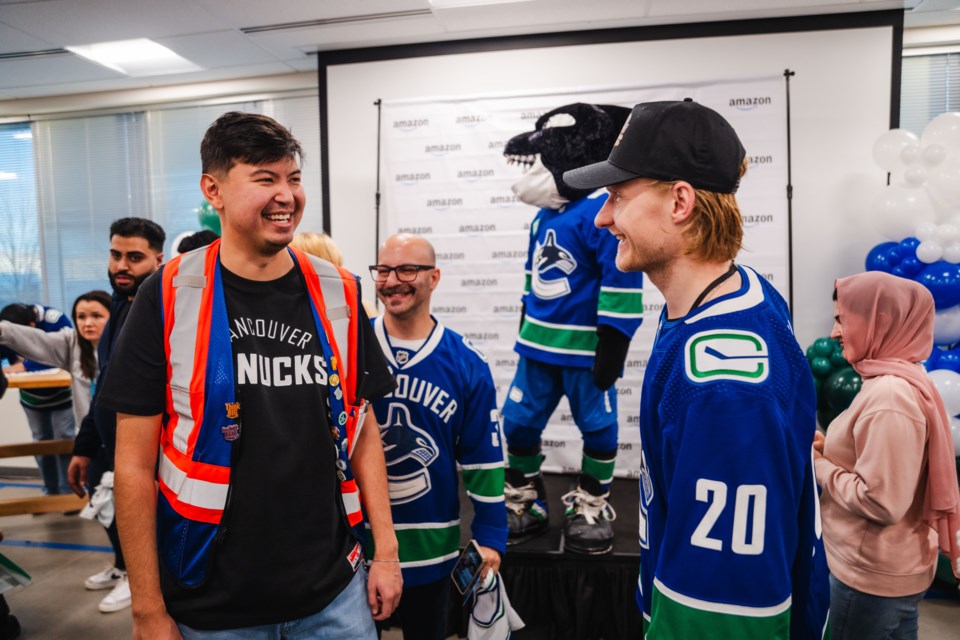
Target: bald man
(443, 412)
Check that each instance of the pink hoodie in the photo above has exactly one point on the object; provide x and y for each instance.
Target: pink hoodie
(889, 483)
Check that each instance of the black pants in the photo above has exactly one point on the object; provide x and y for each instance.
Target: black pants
(422, 614)
(98, 466)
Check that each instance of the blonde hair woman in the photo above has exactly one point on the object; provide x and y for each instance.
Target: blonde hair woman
(323, 246)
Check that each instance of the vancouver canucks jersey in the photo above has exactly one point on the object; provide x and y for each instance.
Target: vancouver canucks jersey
(573, 284)
(729, 516)
(49, 320)
(443, 412)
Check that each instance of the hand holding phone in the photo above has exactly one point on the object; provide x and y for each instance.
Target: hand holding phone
(466, 573)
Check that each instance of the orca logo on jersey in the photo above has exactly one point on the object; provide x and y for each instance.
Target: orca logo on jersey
(726, 354)
(409, 450)
(551, 255)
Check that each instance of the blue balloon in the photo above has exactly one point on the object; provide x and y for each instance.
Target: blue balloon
(877, 258)
(948, 359)
(943, 281)
(931, 362)
(911, 266)
(894, 254)
(908, 246)
(899, 272)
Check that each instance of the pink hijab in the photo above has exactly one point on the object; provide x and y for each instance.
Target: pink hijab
(887, 326)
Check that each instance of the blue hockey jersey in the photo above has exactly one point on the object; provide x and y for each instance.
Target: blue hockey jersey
(729, 517)
(573, 284)
(443, 412)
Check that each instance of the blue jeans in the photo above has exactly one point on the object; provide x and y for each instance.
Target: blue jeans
(855, 615)
(346, 618)
(52, 424)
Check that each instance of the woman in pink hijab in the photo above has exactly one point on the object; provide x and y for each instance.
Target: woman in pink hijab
(886, 466)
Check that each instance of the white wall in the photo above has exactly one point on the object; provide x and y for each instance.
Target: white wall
(840, 101)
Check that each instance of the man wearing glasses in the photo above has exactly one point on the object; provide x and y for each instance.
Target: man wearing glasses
(443, 412)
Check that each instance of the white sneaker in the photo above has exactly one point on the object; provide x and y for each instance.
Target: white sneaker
(106, 579)
(117, 599)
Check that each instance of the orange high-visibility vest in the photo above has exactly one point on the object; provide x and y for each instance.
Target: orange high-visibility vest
(203, 418)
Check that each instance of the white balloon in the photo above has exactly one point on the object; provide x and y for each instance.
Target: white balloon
(955, 432)
(946, 326)
(933, 154)
(951, 253)
(929, 251)
(944, 130)
(926, 231)
(943, 183)
(947, 383)
(910, 154)
(899, 208)
(915, 176)
(947, 233)
(888, 147)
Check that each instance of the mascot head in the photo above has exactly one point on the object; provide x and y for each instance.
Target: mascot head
(568, 137)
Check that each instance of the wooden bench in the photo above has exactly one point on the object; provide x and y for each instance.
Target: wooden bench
(39, 504)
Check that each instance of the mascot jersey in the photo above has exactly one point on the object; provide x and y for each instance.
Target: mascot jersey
(573, 284)
(729, 517)
(443, 412)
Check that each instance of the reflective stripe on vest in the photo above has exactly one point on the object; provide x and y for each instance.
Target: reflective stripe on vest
(194, 469)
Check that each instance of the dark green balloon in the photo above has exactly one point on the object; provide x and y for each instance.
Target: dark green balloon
(823, 347)
(821, 367)
(841, 387)
(826, 416)
(837, 360)
(944, 573)
(811, 353)
(208, 217)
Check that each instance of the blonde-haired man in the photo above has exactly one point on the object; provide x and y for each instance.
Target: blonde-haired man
(729, 526)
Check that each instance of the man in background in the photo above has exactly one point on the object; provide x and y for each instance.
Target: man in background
(136, 251)
(49, 410)
(443, 413)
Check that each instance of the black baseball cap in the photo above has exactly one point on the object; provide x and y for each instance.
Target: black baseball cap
(672, 140)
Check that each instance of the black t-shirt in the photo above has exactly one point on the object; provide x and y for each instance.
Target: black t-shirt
(284, 554)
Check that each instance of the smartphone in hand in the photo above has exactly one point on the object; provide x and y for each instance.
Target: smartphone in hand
(466, 573)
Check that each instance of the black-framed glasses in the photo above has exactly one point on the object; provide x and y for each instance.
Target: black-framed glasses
(405, 272)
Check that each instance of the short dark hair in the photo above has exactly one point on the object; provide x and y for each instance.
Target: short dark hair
(140, 228)
(18, 313)
(250, 138)
(197, 240)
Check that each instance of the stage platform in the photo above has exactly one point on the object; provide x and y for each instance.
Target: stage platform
(566, 596)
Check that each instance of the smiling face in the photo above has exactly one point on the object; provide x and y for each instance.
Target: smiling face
(638, 213)
(260, 206)
(406, 300)
(90, 318)
(131, 262)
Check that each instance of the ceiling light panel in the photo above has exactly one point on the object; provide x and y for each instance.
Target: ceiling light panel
(136, 58)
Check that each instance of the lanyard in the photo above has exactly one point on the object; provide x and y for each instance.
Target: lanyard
(713, 285)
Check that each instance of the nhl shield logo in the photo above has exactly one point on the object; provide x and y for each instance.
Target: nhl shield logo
(403, 356)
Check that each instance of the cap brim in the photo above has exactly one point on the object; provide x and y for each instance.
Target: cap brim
(594, 176)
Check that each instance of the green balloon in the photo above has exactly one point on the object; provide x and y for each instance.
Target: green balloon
(823, 347)
(837, 361)
(811, 353)
(944, 573)
(208, 217)
(821, 367)
(841, 388)
(826, 416)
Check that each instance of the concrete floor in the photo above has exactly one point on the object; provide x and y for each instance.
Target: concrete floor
(61, 551)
